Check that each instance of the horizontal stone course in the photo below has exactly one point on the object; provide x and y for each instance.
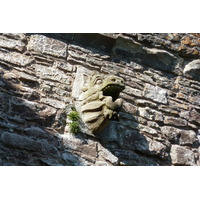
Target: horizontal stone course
(11, 44)
(45, 45)
(182, 156)
(155, 93)
(16, 58)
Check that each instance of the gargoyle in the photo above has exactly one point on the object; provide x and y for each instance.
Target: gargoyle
(99, 101)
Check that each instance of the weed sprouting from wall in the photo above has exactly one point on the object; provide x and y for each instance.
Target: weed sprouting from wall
(74, 118)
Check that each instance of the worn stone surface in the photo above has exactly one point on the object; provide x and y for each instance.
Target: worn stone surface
(98, 102)
(179, 136)
(151, 114)
(156, 94)
(182, 156)
(15, 58)
(175, 121)
(41, 76)
(188, 137)
(192, 69)
(11, 44)
(42, 44)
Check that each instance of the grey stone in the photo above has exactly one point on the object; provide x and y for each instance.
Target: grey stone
(63, 66)
(30, 110)
(132, 91)
(109, 134)
(26, 76)
(195, 100)
(89, 150)
(192, 69)
(102, 163)
(158, 149)
(153, 57)
(23, 142)
(11, 77)
(171, 133)
(131, 139)
(130, 108)
(38, 132)
(11, 44)
(155, 93)
(106, 155)
(150, 114)
(53, 74)
(43, 44)
(175, 121)
(179, 136)
(194, 115)
(53, 102)
(188, 137)
(127, 157)
(72, 159)
(36, 86)
(16, 58)
(181, 156)
(148, 130)
(17, 36)
(153, 124)
(142, 103)
(163, 60)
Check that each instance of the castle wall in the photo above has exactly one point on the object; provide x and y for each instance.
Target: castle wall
(160, 118)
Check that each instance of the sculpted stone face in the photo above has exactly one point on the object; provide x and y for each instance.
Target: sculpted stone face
(100, 102)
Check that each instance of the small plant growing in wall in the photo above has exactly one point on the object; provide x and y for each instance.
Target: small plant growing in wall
(74, 124)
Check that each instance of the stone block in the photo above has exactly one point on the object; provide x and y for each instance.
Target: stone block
(153, 57)
(127, 157)
(155, 93)
(71, 158)
(52, 74)
(181, 156)
(31, 110)
(17, 36)
(175, 121)
(23, 142)
(179, 136)
(63, 66)
(148, 130)
(150, 114)
(188, 137)
(11, 44)
(157, 149)
(133, 140)
(16, 58)
(53, 102)
(171, 133)
(131, 91)
(195, 100)
(26, 76)
(106, 155)
(192, 69)
(129, 108)
(45, 45)
(194, 115)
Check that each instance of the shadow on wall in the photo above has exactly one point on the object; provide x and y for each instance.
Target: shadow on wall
(130, 146)
(121, 48)
(28, 139)
(26, 136)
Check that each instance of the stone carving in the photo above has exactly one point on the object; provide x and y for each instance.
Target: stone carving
(99, 101)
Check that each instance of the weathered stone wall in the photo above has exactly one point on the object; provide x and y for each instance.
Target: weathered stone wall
(160, 120)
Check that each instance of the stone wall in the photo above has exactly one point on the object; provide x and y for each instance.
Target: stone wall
(160, 119)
